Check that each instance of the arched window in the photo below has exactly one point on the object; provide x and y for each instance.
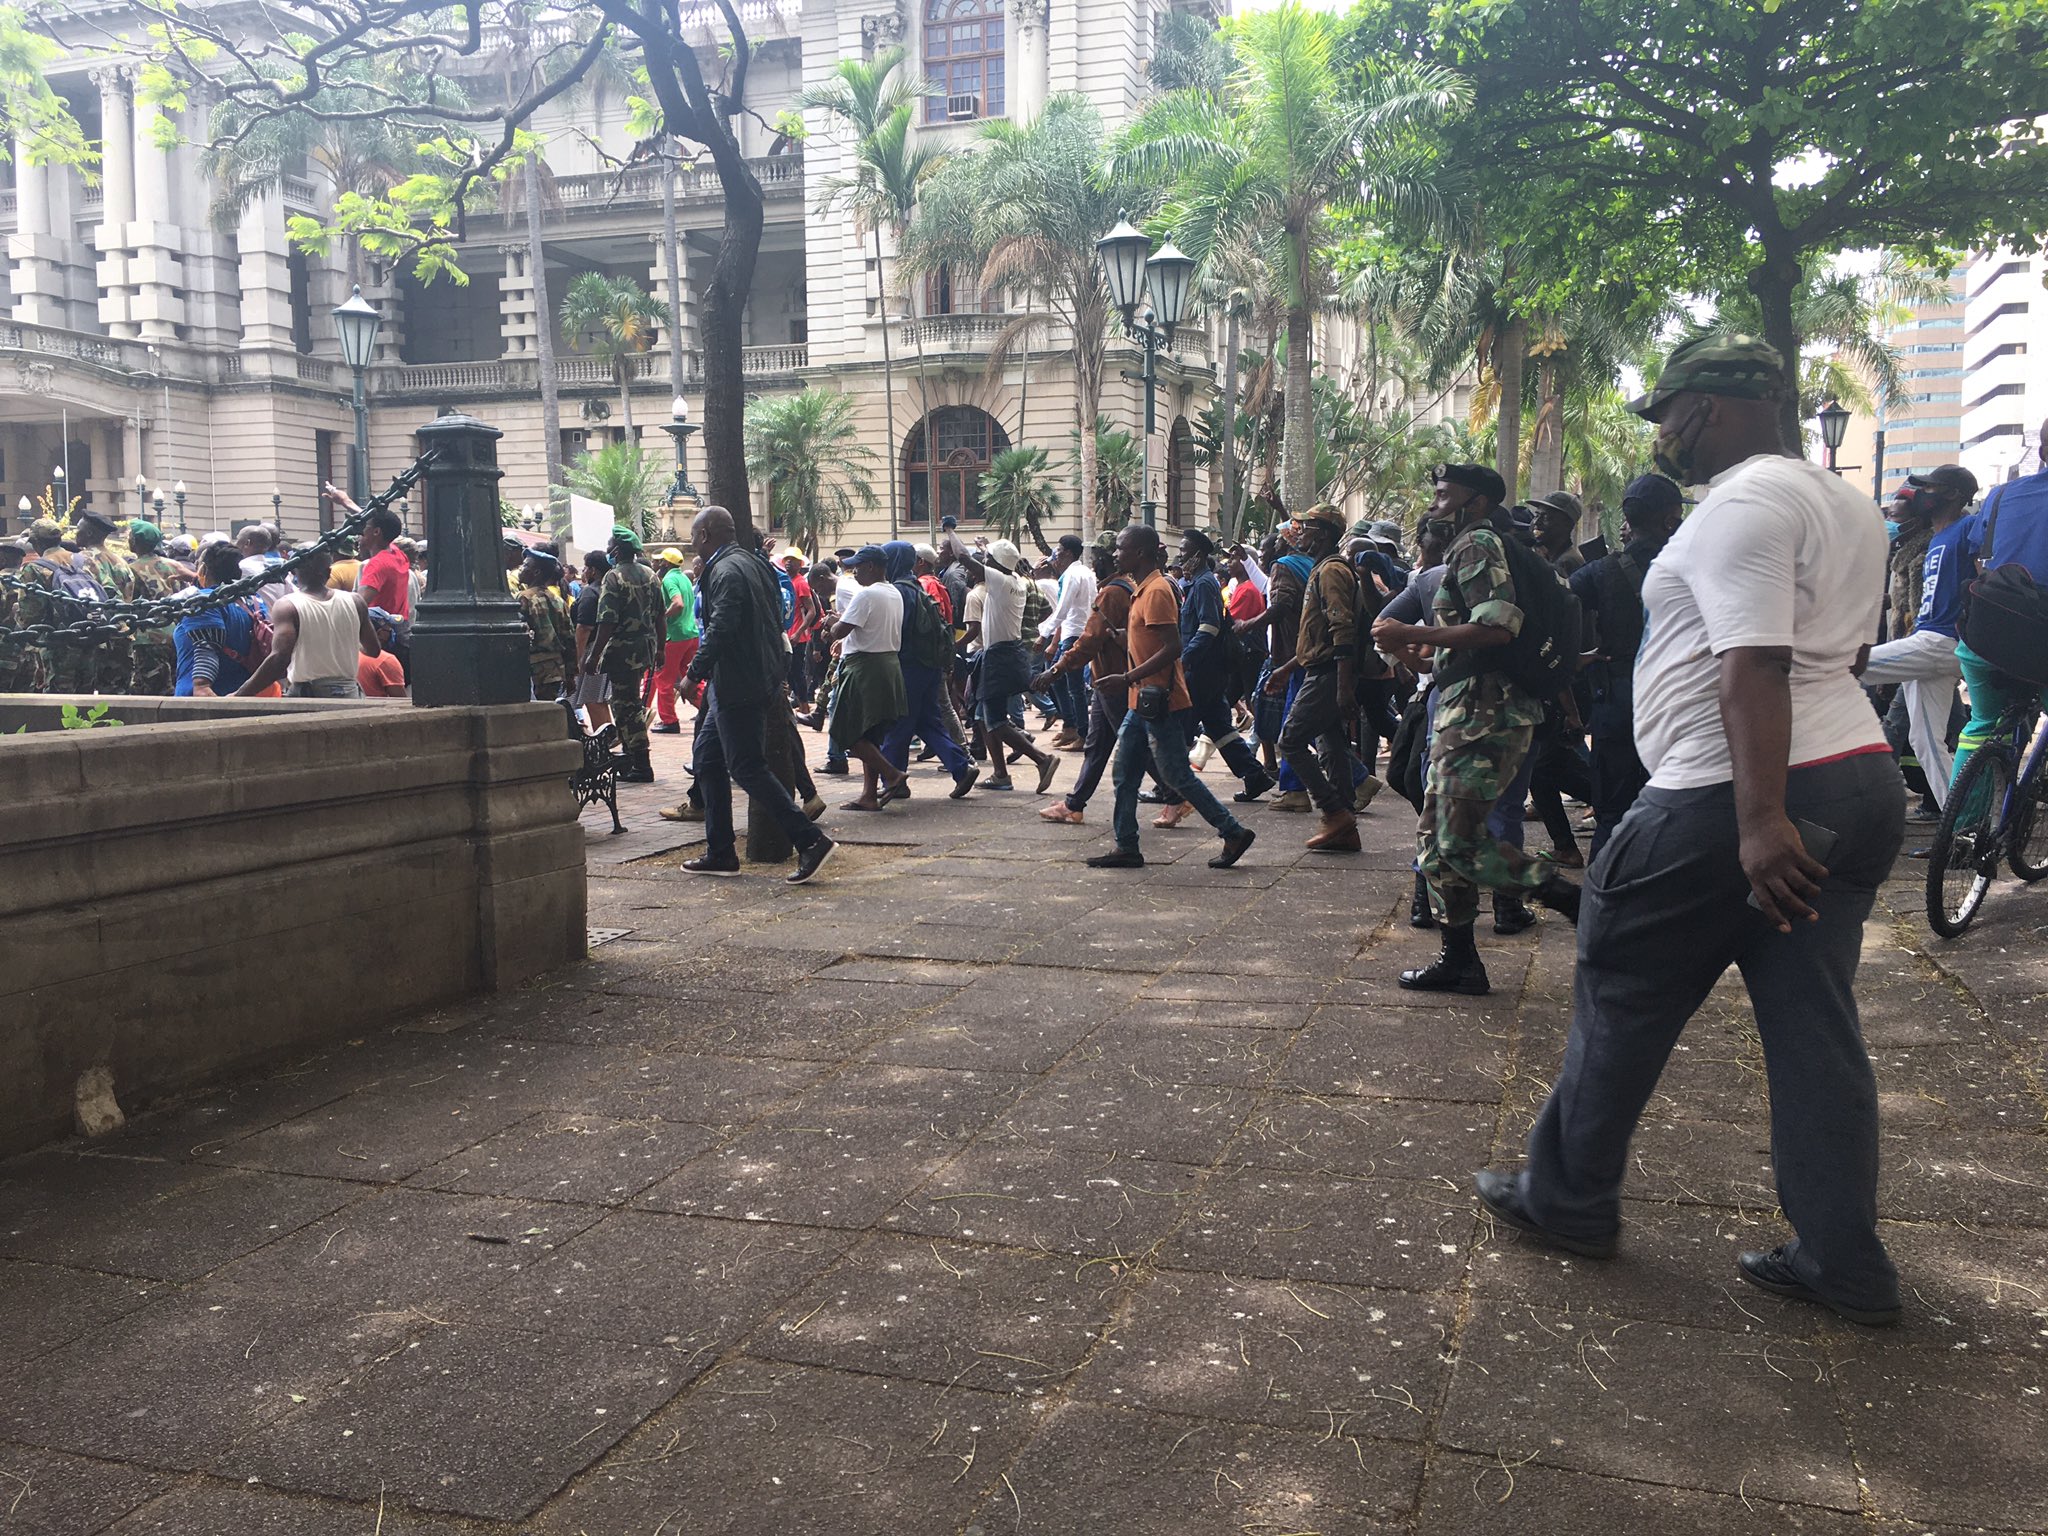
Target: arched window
(966, 441)
(1180, 474)
(963, 59)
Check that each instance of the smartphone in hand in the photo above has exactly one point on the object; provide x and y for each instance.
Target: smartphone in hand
(1818, 841)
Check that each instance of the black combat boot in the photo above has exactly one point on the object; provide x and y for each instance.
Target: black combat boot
(1457, 967)
(1420, 913)
(1510, 914)
(1560, 895)
(638, 769)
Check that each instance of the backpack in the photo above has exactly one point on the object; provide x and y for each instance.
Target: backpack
(2006, 622)
(1543, 657)
(927, 638)
(1037, 609)
(72, 584)
(260, 637)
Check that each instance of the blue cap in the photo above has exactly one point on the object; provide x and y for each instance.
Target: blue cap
(864, 554)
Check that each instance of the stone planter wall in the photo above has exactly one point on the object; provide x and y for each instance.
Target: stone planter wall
(219, 882)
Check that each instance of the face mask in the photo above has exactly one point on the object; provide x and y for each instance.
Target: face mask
(1440, 530)
(1891, 528)
(1676, 445)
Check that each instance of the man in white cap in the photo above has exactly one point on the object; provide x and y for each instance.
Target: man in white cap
(1006, 668)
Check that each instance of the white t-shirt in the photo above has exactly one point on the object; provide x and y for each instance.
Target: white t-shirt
(877, 614)
(1002, 614)
(977, 605)
(1779, 553)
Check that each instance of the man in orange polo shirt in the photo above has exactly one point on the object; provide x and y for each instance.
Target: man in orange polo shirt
(1160, 709)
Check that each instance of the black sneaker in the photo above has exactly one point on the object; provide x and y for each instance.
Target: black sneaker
(965, 782)
(811, 860)
(1254, 787)
(665, 730)
(838, 770)
(1503, 1200)
(1121, 858)
(708, 865)
(1774, 1273)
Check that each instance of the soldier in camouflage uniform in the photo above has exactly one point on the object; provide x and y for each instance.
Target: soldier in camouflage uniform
(157, 576)
(111, 662)
(1484, 725)
(551, 637)
(628, 641)
(20, 669)
(63, 665)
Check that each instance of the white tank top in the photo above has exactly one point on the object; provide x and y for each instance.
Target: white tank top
(330, 638)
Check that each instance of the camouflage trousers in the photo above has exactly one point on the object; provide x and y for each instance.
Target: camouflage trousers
(628, 712)
(69, 667)
(155, 670)
(21, 669)
(1468, 771)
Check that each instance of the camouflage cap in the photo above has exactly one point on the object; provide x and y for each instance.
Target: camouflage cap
(1739, 367)
(44, 530)
(1322, 512)
(1105, 541)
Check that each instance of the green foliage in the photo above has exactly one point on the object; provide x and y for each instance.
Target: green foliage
(807, 448)
(625, 478)
(1017, 495)
(31, 113)
(74, 719)
(615, 320)
(1119, 472)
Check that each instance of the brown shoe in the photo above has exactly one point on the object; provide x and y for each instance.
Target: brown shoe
(1339, 834)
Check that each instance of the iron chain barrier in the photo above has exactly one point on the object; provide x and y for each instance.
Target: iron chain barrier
(102, 621)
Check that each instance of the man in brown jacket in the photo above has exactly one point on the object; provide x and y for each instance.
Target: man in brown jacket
(1316, 738)
(1100, 645)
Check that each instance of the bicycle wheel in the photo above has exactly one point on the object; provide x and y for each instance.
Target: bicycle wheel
(1964, 857)
(2027, 837)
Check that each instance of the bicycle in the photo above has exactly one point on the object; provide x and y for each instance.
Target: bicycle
(1997, 812)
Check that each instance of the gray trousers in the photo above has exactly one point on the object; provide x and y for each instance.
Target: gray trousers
(1318, 720)
(1665, 912)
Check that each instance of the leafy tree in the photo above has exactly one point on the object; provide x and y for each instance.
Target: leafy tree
(1119, 468)
(1017, 496)
(31, 113)
(1283, 150)
(625, 477)
(806, 448)
(1754, 137)
(872, 102)
(615, 320)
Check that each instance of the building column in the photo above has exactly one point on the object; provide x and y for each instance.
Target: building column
(265, 274)
(515, 304)
(157, 269)
(38, 279)
(1031, 66)
(117, 202)
(682, 304)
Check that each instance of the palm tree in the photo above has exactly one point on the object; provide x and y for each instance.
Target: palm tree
(874, 105)
(806, 448)
(615, 320)
(1017, 496)
(625, 478)
(1291, 142)
(1028, 204)
(1119, 470)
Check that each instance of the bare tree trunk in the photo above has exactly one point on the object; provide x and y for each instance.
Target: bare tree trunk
(725, 307)
(1546, 451)
(625, 367)
(1297, 431)
(894, 457)
(1773, 281)
(672, 258)
(1087, 406)
(1228, 513)
(1509, 348)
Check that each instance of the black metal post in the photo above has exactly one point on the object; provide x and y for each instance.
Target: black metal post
(680, 486)
(1877, 469)
(469, 643)
(1148, 334)
(359, 487)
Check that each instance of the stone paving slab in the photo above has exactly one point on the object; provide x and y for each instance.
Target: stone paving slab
(968, 1192)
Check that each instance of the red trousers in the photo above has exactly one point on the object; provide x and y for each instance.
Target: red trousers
(661, 685)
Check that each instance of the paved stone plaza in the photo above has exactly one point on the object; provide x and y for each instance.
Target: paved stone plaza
(969, 1190)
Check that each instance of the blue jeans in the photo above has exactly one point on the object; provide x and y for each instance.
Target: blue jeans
(1168, 742)
(1070, 693)
(921, 688)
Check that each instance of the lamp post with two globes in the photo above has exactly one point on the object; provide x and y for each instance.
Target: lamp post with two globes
(1133, 270)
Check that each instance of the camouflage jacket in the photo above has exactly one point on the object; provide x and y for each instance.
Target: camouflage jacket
(113, 574)
(156, 577)
(630, 601)
(1908, 564)
(1478, 588)
(550, 634)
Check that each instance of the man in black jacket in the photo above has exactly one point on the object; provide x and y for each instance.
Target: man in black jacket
(742, 656)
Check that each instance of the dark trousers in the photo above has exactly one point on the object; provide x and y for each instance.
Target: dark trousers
(1558, 768)
(1106, 710)
(1212, 717)
(1316, 740)
(1665, 912)
(732, 748)
(1378, 717)
(925, 719)
(1618, 774)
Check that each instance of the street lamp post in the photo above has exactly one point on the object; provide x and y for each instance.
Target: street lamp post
(355, 322)
(178, 495)
(1834, 426)
(141, 497)
(158, 503)
(681, 428)
(61, 495)
(276, 506)
(1131, 270)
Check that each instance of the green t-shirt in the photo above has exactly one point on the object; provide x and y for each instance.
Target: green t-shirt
(681, 626)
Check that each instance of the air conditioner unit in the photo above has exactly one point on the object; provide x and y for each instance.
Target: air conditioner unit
(963, 108)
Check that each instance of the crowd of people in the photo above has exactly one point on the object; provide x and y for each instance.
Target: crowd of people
(1700, 689)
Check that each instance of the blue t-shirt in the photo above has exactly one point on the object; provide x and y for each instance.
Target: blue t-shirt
(2021, 535)
(1943, 577)
(228, 628)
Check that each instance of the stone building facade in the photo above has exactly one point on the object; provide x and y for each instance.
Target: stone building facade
(150, 334)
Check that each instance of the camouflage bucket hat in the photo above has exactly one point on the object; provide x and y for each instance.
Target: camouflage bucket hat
(1740, 367)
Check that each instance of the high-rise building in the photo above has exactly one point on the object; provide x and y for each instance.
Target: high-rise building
(2005, 361)
(1921, 422)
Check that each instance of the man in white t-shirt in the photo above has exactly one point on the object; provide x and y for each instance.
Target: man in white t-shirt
(1774, 810)
(1006, 669)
